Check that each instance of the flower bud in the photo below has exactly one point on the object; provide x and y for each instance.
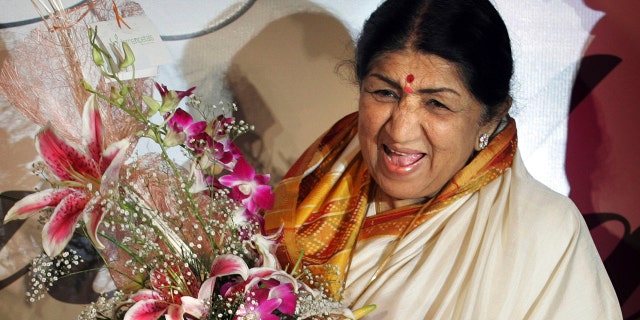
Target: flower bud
(153, 105)
(116, 97)
(129, 57)
(97, 57)
(87, 86)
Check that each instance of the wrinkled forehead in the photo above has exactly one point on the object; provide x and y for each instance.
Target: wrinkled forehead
(416, 67)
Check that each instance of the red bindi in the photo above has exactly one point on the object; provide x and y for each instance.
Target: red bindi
(410, 78)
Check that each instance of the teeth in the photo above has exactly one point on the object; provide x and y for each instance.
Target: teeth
(389, 151)
(399, 153)
(400, 158)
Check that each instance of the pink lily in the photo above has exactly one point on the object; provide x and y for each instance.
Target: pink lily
(172, 293)
(171, 296)
(248, 187)
(266, 248)
(149, 305)
(82, 174)
(223, 265)
(265, 289)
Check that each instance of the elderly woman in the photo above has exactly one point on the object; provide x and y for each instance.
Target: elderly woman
(420, 202)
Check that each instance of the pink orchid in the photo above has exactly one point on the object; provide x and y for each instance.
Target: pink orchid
(166, 93)
(82, 174)
(285, 293)
(182, 128)
(259, 307)
(224, 151)
(265, 290)
(248, 187)
(170, 98)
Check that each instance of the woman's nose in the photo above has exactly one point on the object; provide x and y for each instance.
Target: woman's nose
(404, 122)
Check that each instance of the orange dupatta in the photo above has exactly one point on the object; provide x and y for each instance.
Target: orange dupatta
(321, 203)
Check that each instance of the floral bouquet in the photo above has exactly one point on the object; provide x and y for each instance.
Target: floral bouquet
(179, 240)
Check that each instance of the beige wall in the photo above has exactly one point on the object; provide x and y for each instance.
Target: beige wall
(292, 91)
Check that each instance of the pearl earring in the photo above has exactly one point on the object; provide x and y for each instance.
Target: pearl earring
(484, 141)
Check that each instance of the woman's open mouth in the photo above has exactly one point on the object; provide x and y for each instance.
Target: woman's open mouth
(401, 159)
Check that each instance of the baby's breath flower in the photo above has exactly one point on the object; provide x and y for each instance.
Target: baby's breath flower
(166, 238)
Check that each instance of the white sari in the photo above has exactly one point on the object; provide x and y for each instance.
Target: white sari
(493, 244)
(512, 250)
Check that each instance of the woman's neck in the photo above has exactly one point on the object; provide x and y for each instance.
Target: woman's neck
(385, 202)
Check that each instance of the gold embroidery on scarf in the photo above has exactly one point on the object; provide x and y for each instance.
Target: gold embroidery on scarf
(323, 214)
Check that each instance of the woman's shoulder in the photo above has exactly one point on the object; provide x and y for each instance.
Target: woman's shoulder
(540, 205)
(548, 230)
(545, 223)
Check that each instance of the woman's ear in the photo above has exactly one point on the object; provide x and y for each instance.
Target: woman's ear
(502, 110)
(488, 130)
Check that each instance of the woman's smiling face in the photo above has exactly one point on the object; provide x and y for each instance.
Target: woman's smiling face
(418, 124)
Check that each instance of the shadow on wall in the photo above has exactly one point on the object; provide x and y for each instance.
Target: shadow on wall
(20, 242)
(282, 77)
(286, 83)
(602, 145)
(16, 134)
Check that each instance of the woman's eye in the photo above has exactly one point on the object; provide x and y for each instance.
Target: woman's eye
(436, 104)
(384, 95)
